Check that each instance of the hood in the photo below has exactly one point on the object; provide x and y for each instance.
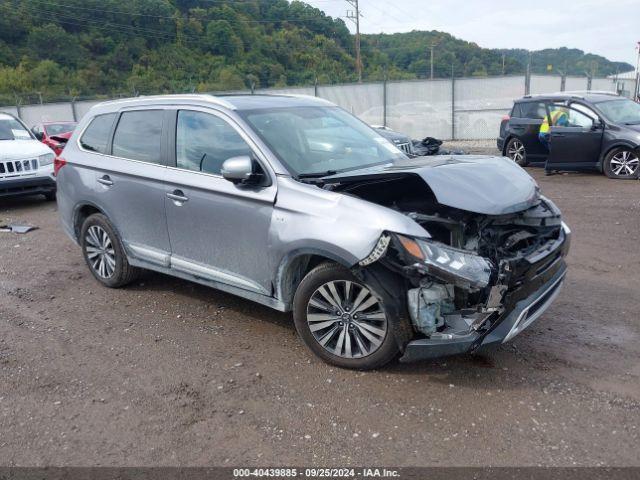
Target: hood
(481, 184)
(19, 149)
(62, 136)
(392, 136)
(635, 127)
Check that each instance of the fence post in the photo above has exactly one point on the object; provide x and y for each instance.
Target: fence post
(453, 104)
(384, 100)
(589, 83)
(18, 111)
(73, 109)
(527, 80)
(315, 87)
(563, 82)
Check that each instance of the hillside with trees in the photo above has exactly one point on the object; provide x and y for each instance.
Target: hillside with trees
(62, 48)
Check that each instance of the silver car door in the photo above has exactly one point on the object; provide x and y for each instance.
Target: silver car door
(218, 231)
(130, 184)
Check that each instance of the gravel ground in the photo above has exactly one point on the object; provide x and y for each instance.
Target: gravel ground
(166, 372)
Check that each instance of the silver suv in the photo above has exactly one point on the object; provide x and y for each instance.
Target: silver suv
(296, 204)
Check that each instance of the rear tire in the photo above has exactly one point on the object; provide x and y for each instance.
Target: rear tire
(350, 327)
(104, 254)
(515, 151)
(621, 163)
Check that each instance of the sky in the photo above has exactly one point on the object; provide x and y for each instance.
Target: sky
(604, 27)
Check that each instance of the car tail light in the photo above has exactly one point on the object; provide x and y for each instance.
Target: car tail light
(58, 163)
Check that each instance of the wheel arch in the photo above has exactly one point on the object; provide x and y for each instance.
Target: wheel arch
(81, 213)
(296, 265)
(506, 142)
(617, 144)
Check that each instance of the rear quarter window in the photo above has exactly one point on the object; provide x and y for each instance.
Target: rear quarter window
(96, 136)
(516, 112)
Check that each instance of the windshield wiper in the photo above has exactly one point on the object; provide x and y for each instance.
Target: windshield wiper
(316, 174)
(636, 122)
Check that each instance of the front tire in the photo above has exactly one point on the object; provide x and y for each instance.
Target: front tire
(515, 151)
(342, 320)
(104, 254)
(621, 163)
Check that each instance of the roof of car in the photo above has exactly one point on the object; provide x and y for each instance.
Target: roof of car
(232, 102)
(588, 96)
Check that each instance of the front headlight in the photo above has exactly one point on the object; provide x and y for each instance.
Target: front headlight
(448, 263)
(46, 159)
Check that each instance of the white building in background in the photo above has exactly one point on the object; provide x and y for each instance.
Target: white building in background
(624, 76)
(626, 83)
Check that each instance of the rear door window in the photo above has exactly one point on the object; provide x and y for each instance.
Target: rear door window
(138, 136)
(96, 136)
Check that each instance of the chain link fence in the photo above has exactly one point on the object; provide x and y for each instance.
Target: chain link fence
(449, 109)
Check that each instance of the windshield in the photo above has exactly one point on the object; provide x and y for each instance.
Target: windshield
(320, 140)
(59, 128)
(11, 129)
(621, 111)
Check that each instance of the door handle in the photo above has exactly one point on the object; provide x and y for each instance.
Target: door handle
(178, 197)
(105, 180)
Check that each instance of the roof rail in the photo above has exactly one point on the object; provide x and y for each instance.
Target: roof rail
(591, 92)
(574, 93)
(188, 96)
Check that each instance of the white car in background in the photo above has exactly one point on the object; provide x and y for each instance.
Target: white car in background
(26, 165)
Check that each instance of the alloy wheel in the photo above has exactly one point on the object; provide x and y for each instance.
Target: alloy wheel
(346, 319)
(516, 151)
(100, 252)
(624, 163)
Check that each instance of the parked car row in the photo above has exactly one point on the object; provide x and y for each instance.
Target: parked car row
(27, 155)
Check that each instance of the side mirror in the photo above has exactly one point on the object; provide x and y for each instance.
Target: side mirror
(240, 171)
(597, 124)
(38, 135)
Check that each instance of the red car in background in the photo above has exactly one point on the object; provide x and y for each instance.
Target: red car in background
(54, 134)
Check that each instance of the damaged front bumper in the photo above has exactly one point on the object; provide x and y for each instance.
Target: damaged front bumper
(535, 283)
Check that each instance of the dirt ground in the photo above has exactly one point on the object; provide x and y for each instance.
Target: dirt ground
(166, 372)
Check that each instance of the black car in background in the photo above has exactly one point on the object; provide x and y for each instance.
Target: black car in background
(600, 131)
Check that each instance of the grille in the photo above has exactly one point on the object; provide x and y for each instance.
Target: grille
(405, 147)
(12, 168)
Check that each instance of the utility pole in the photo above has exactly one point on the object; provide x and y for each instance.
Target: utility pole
(354, 16)
(433, 45)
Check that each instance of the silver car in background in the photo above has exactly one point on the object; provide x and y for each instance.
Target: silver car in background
(296, 204)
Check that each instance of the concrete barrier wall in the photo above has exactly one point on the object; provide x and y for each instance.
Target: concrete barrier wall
(461, 108)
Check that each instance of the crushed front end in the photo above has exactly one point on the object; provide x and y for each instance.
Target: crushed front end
(479, 280)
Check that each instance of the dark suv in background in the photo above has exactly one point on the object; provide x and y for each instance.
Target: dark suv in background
(601, 132)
